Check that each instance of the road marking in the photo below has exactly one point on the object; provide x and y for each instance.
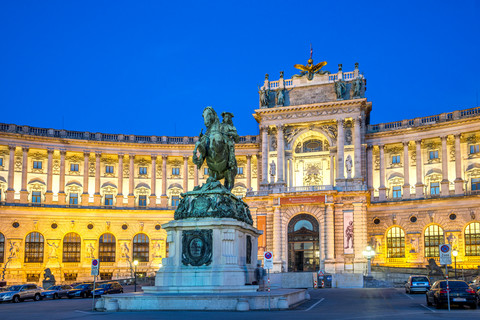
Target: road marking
(428, 308)
(315, 304)
(408, 296)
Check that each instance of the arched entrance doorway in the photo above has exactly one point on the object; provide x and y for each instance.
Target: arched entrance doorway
(303, 244)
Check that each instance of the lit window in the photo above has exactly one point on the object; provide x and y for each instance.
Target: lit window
(108, 169)
(396, 243)
(205, 171)
(37, 164)
(106, 248)
(175, 171)
(175, 201)
(140, 247)
(36, 197)
(397, 192)
(34, 248)
(474, 148)
(240, 170)
(142, 170)
(71, 247)
(433, 155)
(433, 238)
(109, 199)
(74, 167)
(395, 159)
(475, 184)
(73, 198)
(434, 188)
(142, 200)
(472, 239)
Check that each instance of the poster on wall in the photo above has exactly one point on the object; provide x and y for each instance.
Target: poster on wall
(348, 232)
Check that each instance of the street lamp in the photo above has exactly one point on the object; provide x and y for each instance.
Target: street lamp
(135, 263)
(369, 253)
(455, 254)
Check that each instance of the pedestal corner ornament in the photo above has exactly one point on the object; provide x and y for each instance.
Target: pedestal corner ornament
(196, 247)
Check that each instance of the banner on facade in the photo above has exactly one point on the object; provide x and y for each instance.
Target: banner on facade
(348, 232)
(302, 200)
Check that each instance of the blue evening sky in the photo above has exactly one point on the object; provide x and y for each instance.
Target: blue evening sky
(150, 67)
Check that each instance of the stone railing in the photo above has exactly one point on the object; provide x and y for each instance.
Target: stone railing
(266, 192)
(424, 121)
(80, 135)
(289, 83)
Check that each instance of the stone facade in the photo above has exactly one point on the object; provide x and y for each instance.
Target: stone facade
(322, 183)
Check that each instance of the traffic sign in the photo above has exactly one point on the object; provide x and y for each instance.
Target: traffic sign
(268, 260)
(95, 267)
(445, 254)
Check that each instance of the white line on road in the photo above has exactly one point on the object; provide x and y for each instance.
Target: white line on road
(315, 304)
(408, 296)
(428, 308)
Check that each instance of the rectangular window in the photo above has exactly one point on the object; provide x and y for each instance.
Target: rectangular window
(175, 201)
(109, 199)
(474, 148)
(240, 170)
(175, 171)
(108, 169)
(434, 188)
(395, 159)
(397, 192)
(70, 276)
(36, 197)
(1, 162)
(476, 185)
(142, 200)
(74, 167)
(142, 170)
(73, 198)
(433, 155)
(37, 164)
(205, 171)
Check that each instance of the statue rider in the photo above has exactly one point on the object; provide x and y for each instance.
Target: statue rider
(231, 132)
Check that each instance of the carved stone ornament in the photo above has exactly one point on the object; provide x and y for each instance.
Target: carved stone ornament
(18, 164)
(91, 169)
(197, 247)
(309, 114)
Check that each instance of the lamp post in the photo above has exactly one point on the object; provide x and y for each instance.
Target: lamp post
(455, 254)
(369, 253)
(135, 263)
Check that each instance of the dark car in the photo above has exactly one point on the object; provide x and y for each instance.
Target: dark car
(56, 292)
(82, 290)
(417, 284)
(108, 288)
(460, 293)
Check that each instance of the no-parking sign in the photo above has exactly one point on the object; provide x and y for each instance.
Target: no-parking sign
(95, 267)
(445, 254)
(268, 260)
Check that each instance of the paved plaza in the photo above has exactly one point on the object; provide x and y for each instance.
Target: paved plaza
(381, 303)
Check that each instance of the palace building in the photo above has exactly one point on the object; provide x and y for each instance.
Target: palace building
(322, 184)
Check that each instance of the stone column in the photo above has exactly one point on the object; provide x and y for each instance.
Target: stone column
(249, 172)
(332, 168)
(360, 231)
(329, 234)
(185, 173)
(153, 183)
(49, 193)
(23, 191)
(406, 171)
(264, 154)
(458, 166)
(280, 154)
(259, 170)
(277, 239)
(131, 181)
(445, 183)
(340, 150)
(370, 171)
(419, 186)
(11, 174)
(97, 198)
(119, 197)
(358, 148)
(195, 175)
(290, 173)
(61, 187)
(86, 174)
(382, 190)
(164, 197)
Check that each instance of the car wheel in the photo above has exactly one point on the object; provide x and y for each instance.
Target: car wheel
(121, 291)
(437, 305)
(70, 297)
(37, 297)
(473, 306)
(84, 295)
(16, 299)
(428, 302)
(55, 296)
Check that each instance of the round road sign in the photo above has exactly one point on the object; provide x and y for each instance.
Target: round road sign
(268, 255)
(445, 248)
(94, 262)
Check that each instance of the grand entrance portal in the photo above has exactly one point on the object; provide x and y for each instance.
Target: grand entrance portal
(303, 244)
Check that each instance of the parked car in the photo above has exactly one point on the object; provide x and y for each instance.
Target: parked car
(82, 290)
(417, 284)
(56, 292)
(21, 292)
(475, 284)
(108, 288)
(460, 293)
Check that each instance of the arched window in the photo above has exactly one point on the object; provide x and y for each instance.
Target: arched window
(106, 248)
(303, 243)
(472, 239)
(34, 247)
(140, 247)
(71, 247)
(2, 248)
(433, 238)
(396, 243)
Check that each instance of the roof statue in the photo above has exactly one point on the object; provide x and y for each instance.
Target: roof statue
(310, 69)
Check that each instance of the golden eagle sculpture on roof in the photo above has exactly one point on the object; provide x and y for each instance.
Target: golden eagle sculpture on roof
(310, 69)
